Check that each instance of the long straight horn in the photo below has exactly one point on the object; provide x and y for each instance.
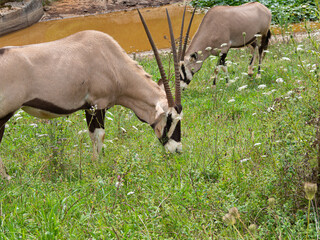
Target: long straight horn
(176, 64)
(181, 34)
(187, 35)
(156, 54)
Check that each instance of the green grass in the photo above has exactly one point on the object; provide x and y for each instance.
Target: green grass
(236, 154)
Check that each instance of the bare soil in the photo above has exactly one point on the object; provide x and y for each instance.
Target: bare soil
(69, 8)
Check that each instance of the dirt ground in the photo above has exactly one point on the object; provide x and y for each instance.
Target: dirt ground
(67, 8)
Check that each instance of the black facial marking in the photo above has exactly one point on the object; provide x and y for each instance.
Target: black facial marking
(176, 135)
(52, 108)
(164, 138)
(184, 78)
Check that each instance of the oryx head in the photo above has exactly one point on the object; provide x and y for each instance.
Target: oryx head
(189, 65)
(167, 126)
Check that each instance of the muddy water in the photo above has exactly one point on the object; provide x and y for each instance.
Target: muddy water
(124, 27)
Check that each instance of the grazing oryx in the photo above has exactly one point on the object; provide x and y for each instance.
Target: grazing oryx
(225, 27)
(87, 71)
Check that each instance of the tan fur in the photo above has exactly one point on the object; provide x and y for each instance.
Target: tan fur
(88, 67)
(224, 27)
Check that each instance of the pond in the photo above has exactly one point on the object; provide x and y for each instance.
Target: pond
(124, 27)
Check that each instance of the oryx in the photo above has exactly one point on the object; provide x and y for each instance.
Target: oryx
(225, 27)
(87, 71)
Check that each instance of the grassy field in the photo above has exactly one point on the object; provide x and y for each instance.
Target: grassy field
(249, 144)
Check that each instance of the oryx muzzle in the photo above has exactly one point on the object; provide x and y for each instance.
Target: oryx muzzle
(225, 27)
(85, 71)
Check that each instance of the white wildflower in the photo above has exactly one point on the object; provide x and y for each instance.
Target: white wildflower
(130, 193)
(199, 52)
(243, 87)
(270, 109)
(262, 86)
(33, 125)
(289, 93)
(279, 80)
(224, 44)
(256, 144)
(231, 100)
(244, 74)
(300, 48)
(17, 115)
(18, 118)
(208, 48)
(82, 131)
(254, 114)
(266, 51)
(42, 135)
(245, 160)
(263, 156)
(135, 127)
(109, 113)
(286, 59)
(109, 118)
(6, 126)
(123, 130)
(119, 184)
(198, 61)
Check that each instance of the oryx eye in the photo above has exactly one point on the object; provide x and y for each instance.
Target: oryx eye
(194, 56)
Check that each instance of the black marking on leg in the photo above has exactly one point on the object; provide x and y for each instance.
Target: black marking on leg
(222, 60)
(52, 108)
(95, 120)
(3, 122)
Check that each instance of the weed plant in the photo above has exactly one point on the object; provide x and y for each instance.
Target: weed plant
(249, 144)
(283, 11)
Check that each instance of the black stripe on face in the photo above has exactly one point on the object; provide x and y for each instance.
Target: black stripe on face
(164, 138)
(52, 108)
(184, 78)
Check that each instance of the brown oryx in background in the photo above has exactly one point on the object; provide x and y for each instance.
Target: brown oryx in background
(225, 27)
(87, 71)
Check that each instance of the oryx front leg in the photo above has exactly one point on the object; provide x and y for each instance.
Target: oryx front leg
(3, 121)
(221, 64)
(254, 49)
(95, 122)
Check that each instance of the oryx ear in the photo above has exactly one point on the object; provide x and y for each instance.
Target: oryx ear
(160, 125)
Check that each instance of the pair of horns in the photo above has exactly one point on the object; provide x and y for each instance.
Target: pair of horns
(177, 101)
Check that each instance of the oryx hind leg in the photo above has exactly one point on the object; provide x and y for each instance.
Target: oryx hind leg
(254, 48)
(221, 64)
(264, 46)
(3, 121)
(95, 122)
